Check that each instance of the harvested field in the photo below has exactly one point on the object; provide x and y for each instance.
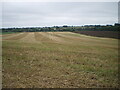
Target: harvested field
(59, 60)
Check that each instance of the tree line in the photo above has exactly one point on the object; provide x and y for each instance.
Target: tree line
(115, 27)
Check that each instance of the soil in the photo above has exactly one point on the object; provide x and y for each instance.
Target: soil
(106, 34)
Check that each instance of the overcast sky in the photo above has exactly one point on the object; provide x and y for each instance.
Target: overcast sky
(28, 14)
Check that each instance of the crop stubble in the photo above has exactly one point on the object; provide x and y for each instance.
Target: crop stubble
(59, 59)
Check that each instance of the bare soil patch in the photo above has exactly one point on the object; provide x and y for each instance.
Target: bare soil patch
(107, 34)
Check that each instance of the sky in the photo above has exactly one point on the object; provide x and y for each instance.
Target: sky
(40, 14)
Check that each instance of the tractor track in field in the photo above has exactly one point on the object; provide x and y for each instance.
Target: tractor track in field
(55, 37)
(41, 37)
(15, 36)
(7, 35)
(29, 38)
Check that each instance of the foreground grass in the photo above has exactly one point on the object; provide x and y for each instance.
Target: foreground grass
(85, 62)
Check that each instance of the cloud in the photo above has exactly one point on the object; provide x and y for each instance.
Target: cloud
(22, 14)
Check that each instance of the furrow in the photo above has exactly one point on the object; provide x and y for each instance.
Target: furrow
(15, 37)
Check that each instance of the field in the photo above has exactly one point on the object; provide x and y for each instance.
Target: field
(107, 34)
(58, 60)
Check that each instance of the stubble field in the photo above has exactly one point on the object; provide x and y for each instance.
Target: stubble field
(58, 60)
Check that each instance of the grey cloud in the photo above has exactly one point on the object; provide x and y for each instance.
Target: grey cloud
(52, 13)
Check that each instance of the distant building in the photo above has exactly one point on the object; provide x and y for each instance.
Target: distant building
(54, 28)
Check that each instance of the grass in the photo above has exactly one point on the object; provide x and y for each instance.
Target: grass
(74, 61)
